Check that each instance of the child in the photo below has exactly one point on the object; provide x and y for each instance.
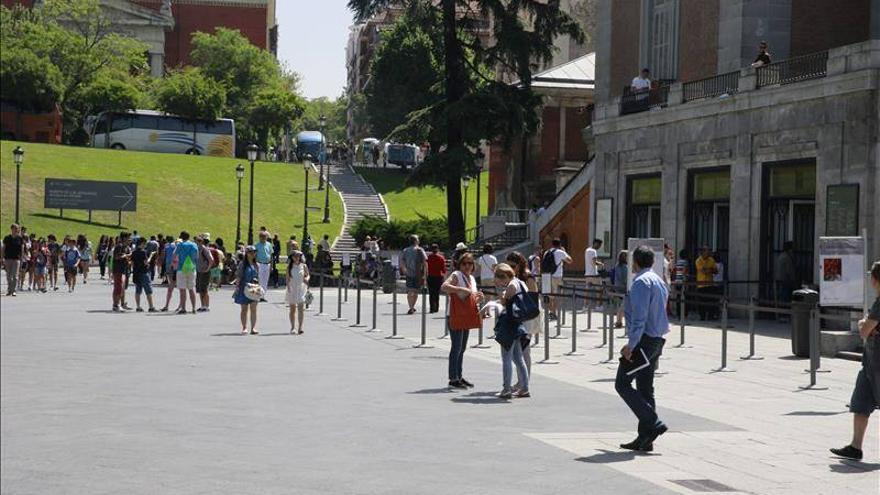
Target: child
(297, 285)
(41, 260)
(72, 258)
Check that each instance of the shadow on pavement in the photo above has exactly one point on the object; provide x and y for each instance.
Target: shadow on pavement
(846, 467)
(815, 413)
(611, 456)
(230, 334)
(480, 398)
(444, 390)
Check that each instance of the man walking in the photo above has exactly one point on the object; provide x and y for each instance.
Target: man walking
(203, 273)
(592, 265)
(414, 264)
(141, 260)
(186, 255)
(12, 247)
(552, 270)
(121, 258)
(264, 259)
(646, 324)
(706, 270)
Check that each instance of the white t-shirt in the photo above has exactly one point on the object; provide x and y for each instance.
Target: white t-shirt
(487, 264)
(640, 84)
(558, 256)
(590, 256)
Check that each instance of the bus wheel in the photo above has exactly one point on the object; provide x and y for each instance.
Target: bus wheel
(118, 146)
(192, 151)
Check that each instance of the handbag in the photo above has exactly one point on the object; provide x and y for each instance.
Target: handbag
(463, 313)
(523, 306)
(309, 298)
(508, 331)
(254, 291)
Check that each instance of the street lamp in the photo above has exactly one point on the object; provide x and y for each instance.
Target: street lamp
(306, 166)
(479, 175)
(239, 174)
(327, 197)
(322, 120)
(466, 182)
(18, 155)
(252, 151)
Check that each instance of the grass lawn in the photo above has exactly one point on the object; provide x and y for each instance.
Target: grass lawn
(406, 203)
(175, 192)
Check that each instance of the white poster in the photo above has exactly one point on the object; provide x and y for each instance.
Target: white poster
(841, 271)
(395, 260)
(656, 245)
(603, 226)
(346, 259)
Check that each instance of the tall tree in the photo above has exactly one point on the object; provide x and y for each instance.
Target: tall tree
(192, 95)
(29, 81)
(523, 32)
(272, 109)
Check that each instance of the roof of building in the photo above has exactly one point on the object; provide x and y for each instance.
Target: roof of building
(579, 73)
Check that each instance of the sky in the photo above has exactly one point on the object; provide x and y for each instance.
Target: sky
(312, 35)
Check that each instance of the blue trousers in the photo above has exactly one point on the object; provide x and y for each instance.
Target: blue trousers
(641, 399)
(459, 340)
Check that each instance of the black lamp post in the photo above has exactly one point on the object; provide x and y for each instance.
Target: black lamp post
(18, 155)
(252, 151)
(322, 120)
(306, 165)
(239, 174)
(466, 182)
(479, 175)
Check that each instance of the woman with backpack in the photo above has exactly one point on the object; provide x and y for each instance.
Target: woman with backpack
(533, 326)
(464, 315)
(510, 330)
(85, 251)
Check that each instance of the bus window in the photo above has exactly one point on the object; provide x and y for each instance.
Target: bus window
(145, 121)
(101, 125)
(171, 124)
(120, 122)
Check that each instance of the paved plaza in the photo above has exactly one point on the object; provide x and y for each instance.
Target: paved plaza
(101, 403)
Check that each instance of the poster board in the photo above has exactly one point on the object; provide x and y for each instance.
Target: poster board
(841, 271)
(346, 259)
(603, 226)
(656, 245)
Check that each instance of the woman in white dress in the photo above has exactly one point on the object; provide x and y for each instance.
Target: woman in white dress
(297, 285)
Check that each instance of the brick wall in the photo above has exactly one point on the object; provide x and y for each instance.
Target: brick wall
(818, 25)
(499, 162)
(575, 120)
(571, 226)
(698, 39)
(625, 22)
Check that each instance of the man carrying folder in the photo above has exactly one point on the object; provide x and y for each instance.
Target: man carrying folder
(646, 325)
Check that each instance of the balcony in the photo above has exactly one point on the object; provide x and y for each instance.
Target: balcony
(710, 87)
(797, 69)
(642, 101)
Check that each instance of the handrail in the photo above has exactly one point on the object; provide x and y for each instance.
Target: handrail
(644, 100)
(795, 69)
(727, 83)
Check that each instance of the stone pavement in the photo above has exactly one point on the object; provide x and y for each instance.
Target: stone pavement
(95, 402)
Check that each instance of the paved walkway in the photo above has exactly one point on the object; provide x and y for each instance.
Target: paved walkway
(96, 402)
(360, 199)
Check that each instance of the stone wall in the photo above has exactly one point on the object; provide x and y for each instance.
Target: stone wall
(820, 25)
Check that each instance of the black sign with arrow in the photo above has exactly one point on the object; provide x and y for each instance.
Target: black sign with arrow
(76, 194)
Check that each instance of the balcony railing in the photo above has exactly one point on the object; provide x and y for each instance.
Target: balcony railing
(643, 101)
(803, 68)
(711, 87)
(513, 215)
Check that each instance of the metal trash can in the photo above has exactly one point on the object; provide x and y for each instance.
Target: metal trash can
(802, 301)
(388, 277)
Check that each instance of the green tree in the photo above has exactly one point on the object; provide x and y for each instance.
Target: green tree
(29, 81)
(192, 95)
(272, 110)
(333, 110)
(523, 32)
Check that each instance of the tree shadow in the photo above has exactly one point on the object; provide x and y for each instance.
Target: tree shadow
(78, 220)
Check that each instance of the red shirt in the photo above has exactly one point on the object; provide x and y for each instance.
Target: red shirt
(436, 265)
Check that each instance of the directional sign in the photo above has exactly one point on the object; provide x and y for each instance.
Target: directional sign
(75, 194)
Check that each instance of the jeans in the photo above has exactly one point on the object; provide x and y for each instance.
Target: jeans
(434, 283)
(459, 340)
(513, 355)
(641, 399)
(11, 275)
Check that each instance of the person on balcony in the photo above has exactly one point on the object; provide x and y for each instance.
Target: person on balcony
(641, 83)
(763, 57)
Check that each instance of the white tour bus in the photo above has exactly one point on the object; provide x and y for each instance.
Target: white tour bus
(148, 130)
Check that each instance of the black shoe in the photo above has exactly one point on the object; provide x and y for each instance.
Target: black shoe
(652, 435)
(638, 445)
(466, 383)
(848, 452)
(263, 299)
(456, 384)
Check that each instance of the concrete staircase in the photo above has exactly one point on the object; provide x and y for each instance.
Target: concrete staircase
(359, 199)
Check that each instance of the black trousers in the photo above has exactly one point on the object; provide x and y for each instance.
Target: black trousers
(434, 283)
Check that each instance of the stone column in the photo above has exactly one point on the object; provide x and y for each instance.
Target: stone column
(561, 134)
(157, 64)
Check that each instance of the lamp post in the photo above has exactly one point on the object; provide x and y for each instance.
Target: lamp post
(306, 166)
(466, 182)
(239, 174)
(327, 197)
(479, 174)
(18, 155)
(322, 120)
(252, 151)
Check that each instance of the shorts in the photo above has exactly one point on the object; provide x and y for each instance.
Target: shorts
(864, 400)
(414, 283)
(555, 284)
(40, 269)
(215, 273)
(202, 281)
(170, 275)
(142, 284)
(70, 270)
(186, 280)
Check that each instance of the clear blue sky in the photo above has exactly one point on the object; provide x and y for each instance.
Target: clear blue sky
(312, 35)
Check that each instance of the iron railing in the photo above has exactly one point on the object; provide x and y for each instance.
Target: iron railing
(711, 86)
(513, 215)
(512, 235)
(803, 68)
(643, 101)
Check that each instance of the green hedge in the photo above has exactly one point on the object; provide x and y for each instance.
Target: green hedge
(395, 234)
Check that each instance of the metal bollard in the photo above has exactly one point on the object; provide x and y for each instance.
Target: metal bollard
(559, 312)
(394, 315)
(357, 321)
(724, 368)
(814, 351)
(682, 315)
(604, 330)
(339, 317)
(445, 319)
(608, 330)
(588, 300)
(752, 355)
(375, 310)
(423, 344)
(347, 283)
(546, 359)
(321, 296)
(574, 328)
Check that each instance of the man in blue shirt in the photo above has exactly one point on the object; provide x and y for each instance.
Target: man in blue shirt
(186, 253)
(265, 251)
(646, 325)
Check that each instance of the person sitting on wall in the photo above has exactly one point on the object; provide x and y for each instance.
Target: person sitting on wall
(763, 57)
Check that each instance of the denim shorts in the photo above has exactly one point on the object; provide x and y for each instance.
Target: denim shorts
(142, 284)
(413, 283)
(864, 400)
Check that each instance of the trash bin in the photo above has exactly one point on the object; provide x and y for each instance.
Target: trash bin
(802, 301)
(388, 277)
